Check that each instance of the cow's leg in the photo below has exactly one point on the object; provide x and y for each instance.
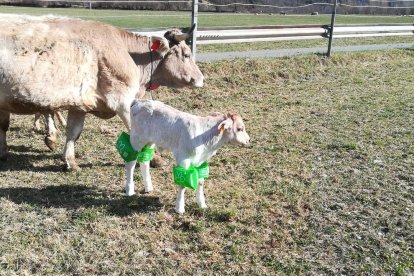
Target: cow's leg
(60, 118)
(51, 131)
(37, 126)
(200, 194)
(4, 126)
(73, 130)
(130, 187)
(157, 161)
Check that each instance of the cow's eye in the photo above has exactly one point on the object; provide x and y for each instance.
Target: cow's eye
(239, 129)
(186, 56)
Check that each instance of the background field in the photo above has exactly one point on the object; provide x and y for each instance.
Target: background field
(325, 188)
(164, 19)
(152, 19)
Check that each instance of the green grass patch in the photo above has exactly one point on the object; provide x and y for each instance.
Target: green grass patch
(150, 19)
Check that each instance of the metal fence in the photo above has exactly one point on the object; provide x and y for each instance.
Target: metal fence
(270, 33)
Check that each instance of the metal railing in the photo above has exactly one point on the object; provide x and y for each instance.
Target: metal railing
(297, 32)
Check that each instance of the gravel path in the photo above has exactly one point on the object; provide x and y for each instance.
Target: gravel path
(208, 57)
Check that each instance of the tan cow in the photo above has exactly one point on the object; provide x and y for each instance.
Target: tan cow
(56, 63)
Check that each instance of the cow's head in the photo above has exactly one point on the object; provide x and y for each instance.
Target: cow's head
(177, 68)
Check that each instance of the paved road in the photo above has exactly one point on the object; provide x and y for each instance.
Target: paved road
(208, 57)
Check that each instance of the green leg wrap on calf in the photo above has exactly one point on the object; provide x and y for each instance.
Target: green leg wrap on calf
(189, 178)
(128, 153)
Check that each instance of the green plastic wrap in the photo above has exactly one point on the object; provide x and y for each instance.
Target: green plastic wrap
(189, 178)
(128, 153)
(125, 149)
(146, 154)
(203, 171)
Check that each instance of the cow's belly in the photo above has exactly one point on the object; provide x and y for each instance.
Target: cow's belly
(60, 76)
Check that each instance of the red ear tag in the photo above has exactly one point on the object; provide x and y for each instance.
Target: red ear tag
(155, 45)
(154, 86)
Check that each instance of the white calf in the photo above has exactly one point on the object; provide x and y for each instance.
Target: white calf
(192, 139)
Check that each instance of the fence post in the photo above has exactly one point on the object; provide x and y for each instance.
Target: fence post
(333, 18)
(194, 19)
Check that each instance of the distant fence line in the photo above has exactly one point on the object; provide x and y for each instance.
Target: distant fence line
(403, 7)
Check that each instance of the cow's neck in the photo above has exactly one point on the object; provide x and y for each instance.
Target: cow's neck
(147, 79)
(145, 59)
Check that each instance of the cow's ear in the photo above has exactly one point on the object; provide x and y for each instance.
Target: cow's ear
(225, 125)
(160, 45)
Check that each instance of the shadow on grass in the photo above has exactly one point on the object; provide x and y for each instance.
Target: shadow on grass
(80, 197)
(21, 148)
(17, 161)
(22, 158)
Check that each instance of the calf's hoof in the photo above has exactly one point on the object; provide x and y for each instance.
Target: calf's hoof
(148, 190)
(50, 143)
(130, 191)
(72, 167)
(157, 162)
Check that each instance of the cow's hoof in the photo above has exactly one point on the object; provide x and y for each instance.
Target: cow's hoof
(37, 128)
(157, 162)
(50, 143)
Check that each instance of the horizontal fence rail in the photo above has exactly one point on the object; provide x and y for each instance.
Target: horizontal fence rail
(276, 33)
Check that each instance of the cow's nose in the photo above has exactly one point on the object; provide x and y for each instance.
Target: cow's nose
(198, 83)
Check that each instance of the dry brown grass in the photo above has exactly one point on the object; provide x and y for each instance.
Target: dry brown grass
(325, 188)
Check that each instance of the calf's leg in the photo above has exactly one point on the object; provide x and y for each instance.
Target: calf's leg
(200, 194)
(129, 186)
(146, 177)
(180, 203)
(74, 128)
(4, 126)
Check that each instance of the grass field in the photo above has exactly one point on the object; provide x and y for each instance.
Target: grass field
(325, 188)
(151, 19)
(294, 44)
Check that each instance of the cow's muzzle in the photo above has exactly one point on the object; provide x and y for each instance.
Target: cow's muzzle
(198, 83)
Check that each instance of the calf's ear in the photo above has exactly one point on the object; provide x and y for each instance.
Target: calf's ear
(160, 45)
(225, 125)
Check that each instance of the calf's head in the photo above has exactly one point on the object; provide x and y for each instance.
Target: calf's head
(177, 68)
(234, 130)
